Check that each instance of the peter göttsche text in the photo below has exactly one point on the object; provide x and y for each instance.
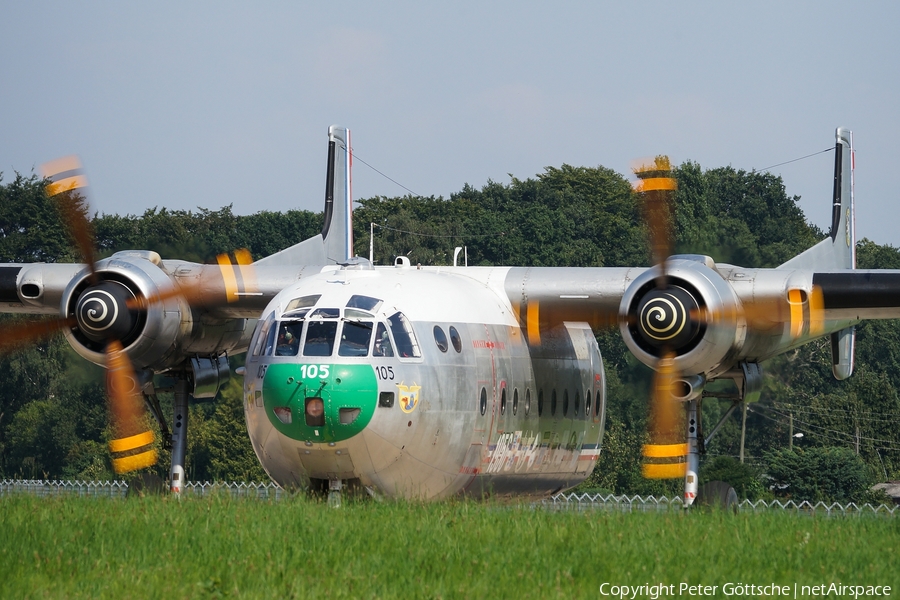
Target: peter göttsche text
(661, 590)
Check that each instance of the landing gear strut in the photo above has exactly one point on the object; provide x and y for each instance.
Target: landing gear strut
(179, 436)
(749, 383)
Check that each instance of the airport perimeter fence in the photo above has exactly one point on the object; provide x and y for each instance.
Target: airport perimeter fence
(563, 501)
(575, 501)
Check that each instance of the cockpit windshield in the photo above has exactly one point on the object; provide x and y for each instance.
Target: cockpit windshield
(383, 345)
(289, 333)
(320, 338)
(305, 330)
(355, 337)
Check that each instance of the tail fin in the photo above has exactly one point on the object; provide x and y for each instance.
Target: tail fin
(837, 251)
(335, 243)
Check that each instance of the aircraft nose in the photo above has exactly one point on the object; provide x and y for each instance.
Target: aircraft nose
(320, 402)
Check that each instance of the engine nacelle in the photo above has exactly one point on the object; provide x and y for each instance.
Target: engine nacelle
(158, 337)
(692, 314)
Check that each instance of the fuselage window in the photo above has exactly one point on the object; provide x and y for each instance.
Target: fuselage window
(289, 338)
(383, 345)
(320, 338)
(455, 339)
(527, 401)
(566, 403)
(364, 302)
(597, 404)
(355, 337)
(482, 403)
(326, 313)
(553, 403)
(515, 401)
(577, 402)
(404, 338)
(304, 302)
(440, 338)
(587, 403)
(540, 402)
(503, 402)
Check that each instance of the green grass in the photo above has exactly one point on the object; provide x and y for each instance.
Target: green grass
(221, 547)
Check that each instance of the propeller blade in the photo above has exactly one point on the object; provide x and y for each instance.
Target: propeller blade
(132, 447)
(664, 455)
(656, 184)
(68, 187)
(16, 335)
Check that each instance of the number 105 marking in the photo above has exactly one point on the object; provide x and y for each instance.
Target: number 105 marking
(313, 371)
(385, 373)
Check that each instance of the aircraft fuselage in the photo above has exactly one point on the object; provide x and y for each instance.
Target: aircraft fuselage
(419, 383)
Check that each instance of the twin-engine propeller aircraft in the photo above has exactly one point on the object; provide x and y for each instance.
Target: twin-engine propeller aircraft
(430, 382)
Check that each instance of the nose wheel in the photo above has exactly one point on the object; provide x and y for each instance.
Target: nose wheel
(335, 486)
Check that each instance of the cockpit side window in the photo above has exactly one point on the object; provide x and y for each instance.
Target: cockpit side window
(355, 338)
(404, 337)
(383, 345)
(259, 342)
(288, 343)
(320, 338)
(270, 340)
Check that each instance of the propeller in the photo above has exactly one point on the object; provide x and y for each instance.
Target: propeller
(663, 320)
(107, 313)
(132, 447)
(670, 317)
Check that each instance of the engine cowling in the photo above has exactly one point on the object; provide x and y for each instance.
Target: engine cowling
(694, 315)
(152, 336)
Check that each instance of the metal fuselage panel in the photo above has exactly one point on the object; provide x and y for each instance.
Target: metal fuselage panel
(478, 411)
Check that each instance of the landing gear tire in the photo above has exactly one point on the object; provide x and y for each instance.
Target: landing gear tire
(146, 484)
(717, 495)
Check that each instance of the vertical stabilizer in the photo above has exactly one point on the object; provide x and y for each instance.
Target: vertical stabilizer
(338, 228)
(335, 243)
(838, 250)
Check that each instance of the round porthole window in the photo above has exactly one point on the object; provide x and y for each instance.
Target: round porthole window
(515, 401)
(455, 339)
(483, 402)
(553, 403)
(527, 402)
(540, 402)
(587, 403)
(440, 338)
(503, 402)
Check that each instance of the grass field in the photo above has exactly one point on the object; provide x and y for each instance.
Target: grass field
(160, 547)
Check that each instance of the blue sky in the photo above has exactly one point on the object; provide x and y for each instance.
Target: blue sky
(186, 105)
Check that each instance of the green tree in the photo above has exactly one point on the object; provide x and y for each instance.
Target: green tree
(828, 474)
(30, 226)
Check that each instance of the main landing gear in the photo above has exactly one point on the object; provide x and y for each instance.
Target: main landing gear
(199, 377)
(748, 379)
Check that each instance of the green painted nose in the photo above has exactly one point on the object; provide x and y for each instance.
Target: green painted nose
(320, 402)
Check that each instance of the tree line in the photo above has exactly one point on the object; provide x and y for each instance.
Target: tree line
(52, 411)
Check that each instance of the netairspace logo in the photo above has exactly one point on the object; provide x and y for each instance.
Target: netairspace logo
(654, 591)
